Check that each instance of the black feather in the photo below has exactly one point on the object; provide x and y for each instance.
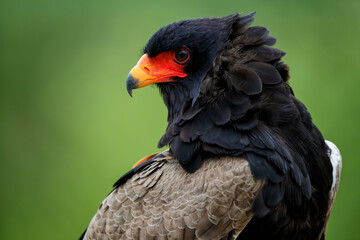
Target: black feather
(226, 138)
(253, 36)
(263, 53)
(189, 111)
(273, 193)
(183, 151)
(261, 169)
(268, 74)
(245, 123)
(220, 113)
(259, 208)
(244, 80)
(270, 41)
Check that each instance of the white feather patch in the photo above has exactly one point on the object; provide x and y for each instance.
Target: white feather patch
(335, 159)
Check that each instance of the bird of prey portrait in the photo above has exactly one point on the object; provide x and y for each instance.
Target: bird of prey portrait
(245, 160)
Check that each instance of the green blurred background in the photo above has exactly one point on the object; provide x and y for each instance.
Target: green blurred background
(68, 128)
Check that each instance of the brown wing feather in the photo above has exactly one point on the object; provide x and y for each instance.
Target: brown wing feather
(165, 202)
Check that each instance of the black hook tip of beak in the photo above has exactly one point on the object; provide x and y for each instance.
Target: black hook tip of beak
(131, 83)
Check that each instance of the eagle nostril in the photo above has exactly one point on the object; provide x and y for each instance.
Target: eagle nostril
(146, 69)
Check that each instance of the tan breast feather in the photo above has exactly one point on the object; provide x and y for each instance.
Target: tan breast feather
(164, 202)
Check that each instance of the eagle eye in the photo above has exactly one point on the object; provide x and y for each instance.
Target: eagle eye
(182, 55)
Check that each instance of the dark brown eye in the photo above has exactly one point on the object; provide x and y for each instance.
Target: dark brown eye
(182, 55)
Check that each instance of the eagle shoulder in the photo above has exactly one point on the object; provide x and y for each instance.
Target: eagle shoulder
(163, 201)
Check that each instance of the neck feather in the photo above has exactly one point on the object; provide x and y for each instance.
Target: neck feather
(175, 95)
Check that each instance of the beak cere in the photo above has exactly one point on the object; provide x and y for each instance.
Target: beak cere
(158, 69)
(138, 78)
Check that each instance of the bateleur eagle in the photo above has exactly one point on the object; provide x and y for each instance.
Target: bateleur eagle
(245, 160)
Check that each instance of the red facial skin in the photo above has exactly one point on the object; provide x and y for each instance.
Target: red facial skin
(158, 69)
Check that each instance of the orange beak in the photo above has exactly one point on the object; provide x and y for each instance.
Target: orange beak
(158, 69)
